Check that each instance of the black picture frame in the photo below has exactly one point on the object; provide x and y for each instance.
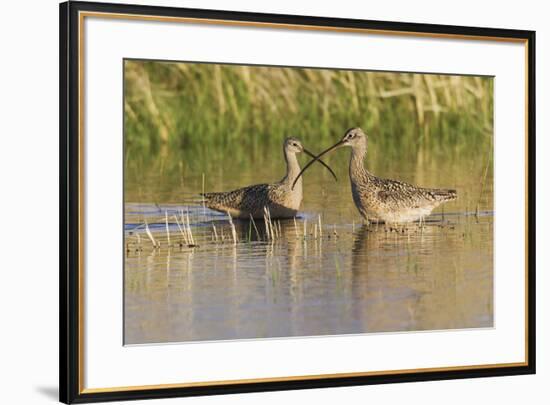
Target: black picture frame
(70, 313)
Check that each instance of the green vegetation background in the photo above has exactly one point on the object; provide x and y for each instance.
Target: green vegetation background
(190, 118)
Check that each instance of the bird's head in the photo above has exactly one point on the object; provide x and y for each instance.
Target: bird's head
(354, 137)
(293, 145)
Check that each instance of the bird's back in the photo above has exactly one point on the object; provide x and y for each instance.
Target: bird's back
(278, 198)
(404, 194)
(396, 201)
(240, 202)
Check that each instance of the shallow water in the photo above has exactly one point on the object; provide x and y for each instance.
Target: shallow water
(349, 278)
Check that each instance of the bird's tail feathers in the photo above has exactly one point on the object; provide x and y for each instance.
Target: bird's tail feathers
(446, 194)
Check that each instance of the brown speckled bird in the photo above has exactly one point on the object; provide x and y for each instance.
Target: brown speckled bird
(281, 199)
(387, 200)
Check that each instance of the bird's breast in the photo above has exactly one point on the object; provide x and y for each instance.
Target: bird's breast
(294, 197)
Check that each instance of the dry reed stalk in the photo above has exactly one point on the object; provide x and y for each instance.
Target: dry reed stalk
(183, 234)
(150, 235)
(482, 181)
(269, 224)
(320, 228)
(185, 231)
(233, 231)
(428, 80)
(276, 227)
(203, 200)
(255, 228)
(215, 232)
(218, 83)
(189, 229)
(295, 227)
(266, 223)
(305, 227)
(418, 98)
(315, 231)
(152, 108)
(167, 229)
(272, 230)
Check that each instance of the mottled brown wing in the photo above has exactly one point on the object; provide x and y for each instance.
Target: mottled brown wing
(246, 198)
(399, 193)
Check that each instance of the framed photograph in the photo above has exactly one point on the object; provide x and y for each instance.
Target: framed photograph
(256, 202)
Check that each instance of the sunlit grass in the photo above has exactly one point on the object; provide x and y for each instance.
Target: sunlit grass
(207, 110)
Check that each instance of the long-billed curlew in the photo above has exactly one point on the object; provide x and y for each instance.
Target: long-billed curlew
(388, 200)
(281, 199)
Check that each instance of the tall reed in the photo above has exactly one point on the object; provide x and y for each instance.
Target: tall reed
(206, 108)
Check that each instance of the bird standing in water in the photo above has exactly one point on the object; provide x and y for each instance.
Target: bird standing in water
(387, 200)
(282, 199)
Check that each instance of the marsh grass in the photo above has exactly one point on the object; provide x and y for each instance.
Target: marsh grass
(183, 229)
(209, 110)
(183, 234)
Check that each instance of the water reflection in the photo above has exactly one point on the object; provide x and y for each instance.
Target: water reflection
(367, 279)
(421, 280)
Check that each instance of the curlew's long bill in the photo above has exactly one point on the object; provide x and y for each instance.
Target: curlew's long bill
(376, 198)
(282, 199)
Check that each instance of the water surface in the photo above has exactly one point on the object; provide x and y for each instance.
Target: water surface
(348, 278)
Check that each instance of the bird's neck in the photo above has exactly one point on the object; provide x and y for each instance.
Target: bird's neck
(356, 163)
(292, 169)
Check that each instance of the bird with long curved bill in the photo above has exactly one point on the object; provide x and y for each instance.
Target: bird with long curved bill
(281, 199)
(379, 199)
